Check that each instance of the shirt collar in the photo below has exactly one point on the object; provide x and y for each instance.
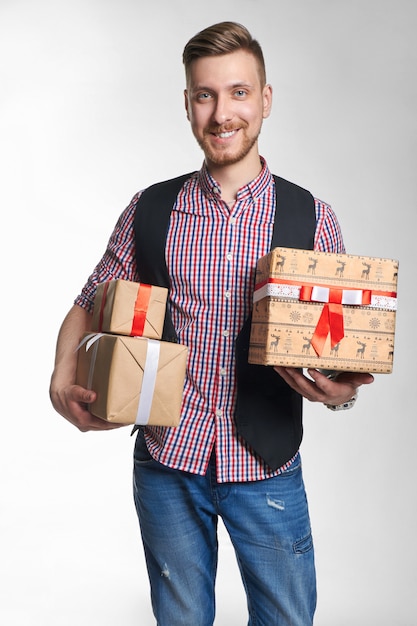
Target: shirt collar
(254, 189)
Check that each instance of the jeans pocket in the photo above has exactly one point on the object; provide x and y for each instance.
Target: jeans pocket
(301, 546)
(141, 453)
(293, 468)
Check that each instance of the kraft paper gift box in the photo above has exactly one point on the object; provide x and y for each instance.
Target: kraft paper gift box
(129, 308)
(137, 380)
(323, 310)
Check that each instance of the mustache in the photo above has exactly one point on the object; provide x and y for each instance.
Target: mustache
(224, 128)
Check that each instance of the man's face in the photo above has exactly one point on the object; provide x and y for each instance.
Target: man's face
(226, 104)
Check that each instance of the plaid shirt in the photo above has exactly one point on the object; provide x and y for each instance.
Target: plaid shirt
(211, 255)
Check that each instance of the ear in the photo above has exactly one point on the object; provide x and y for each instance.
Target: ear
(267, 100)
(186, 103)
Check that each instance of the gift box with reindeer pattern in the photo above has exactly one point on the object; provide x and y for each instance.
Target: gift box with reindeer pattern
(323, 310)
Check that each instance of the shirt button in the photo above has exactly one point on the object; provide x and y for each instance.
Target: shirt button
(227, 294)
(226, 333)
(219, 412)
(216, 191)
(229, 256)
(232, 221)
(222, 371)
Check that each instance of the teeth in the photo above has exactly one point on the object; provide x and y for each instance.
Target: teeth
(228, 134)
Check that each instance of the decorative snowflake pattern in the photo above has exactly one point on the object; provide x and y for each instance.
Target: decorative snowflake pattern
(374, 323)
(295, 316)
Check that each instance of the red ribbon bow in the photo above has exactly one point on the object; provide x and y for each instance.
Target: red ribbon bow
(331, 318)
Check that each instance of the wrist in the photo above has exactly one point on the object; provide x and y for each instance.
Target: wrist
(345, 406)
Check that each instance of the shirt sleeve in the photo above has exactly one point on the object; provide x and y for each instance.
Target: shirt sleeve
(118, 261)
(328, 237)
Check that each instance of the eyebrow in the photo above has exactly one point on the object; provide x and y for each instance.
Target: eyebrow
(237, 85)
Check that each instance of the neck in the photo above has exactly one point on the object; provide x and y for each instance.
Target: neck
(232, 177)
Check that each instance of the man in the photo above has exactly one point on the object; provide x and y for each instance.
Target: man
(222, 220)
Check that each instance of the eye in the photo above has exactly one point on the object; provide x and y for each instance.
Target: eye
(240, 93)
(203, 96)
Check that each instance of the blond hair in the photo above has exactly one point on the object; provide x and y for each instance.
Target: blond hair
(223, 38)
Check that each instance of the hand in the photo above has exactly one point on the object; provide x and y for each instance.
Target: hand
(71, 402)
(319, 388)
(68, 399)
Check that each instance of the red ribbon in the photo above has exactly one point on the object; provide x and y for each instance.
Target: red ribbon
(140, 310)
(102, 303)
(331, 318)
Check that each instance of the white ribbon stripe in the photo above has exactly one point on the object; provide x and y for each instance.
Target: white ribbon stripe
(277, 291)
(88, 341)
(148, 383)
(352, 297)
(349, 296)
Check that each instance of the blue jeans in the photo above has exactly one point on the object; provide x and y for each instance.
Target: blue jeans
(268, 523)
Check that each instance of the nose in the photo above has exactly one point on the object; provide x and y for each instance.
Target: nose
(223, 110)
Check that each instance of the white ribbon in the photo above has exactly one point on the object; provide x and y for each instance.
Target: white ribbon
(277, 291)
(88, 341)
(148, 383)
(352, 297)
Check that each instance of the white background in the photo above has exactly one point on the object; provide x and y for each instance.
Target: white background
(91, 110)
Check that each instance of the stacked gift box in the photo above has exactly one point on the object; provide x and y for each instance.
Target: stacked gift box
(324, 310)
(138, 378)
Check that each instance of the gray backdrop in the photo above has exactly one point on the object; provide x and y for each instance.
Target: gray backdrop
(91, 110)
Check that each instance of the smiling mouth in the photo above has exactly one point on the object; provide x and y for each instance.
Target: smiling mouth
(226, 134)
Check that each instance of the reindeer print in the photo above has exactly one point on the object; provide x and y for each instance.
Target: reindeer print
(274, 344)
(341, 268)
(279, 264)
(306, 346)
(360, 352)
(312, 267)
(365, 272)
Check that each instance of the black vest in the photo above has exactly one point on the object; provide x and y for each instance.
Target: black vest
(268, 412)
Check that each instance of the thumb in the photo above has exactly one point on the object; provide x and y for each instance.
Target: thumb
(89, 396)
(80, 394)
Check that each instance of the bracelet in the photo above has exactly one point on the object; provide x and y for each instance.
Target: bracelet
(343, 407)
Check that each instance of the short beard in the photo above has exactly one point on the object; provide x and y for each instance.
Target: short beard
(226, 157)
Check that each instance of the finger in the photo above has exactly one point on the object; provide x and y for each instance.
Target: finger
(85, 422)
(97, 424)
(300, 383)
(287, 374)
(323, 382)
(356, 379)
(292, 373)
(76, 410)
